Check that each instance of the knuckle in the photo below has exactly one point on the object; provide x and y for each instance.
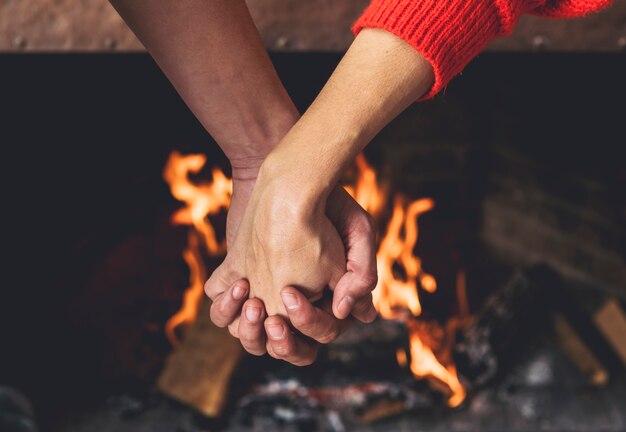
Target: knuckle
(369, 223)
(303, 320)
(368, 280)
(282, 350)
(305, 360)
(234, 331)
(245, 335)
(251, 343)
(212, 285)
(221, 306)
(226, 306)
(308, 361)
(216, 315)
(272, 353)
(365, 312)
(328, 337)
(364, 305)
(364, 224)
(220, 280)
(210, 289)
(255, 351)
(248, 335)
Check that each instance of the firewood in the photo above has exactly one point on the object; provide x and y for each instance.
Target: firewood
(509, 318)
(579, 315)
(198, 372)
(579, 353)
(381, 410)
(611, 321)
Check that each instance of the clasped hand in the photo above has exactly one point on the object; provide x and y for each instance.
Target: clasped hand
(287, 250)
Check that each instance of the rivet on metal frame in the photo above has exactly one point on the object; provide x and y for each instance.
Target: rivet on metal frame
(282, 42)
(19, 42)
(539, 43)
(109, 43)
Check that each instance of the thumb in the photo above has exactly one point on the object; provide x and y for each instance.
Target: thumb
(353, 290)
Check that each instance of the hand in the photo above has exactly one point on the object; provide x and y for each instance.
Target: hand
(285, 239)
(319, 324)
(355, 104)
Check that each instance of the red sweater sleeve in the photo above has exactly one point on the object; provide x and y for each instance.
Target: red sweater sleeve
(450, 33)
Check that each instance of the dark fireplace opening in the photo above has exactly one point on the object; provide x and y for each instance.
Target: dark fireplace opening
(521, 155)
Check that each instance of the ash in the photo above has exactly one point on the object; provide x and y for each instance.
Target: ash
(543, 393)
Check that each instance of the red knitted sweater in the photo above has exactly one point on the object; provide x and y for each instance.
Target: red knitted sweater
(449, 33)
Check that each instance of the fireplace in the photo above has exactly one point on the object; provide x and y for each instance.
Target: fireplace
(526, 242)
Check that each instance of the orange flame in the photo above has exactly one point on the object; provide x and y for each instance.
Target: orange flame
(392, 291)
(394, 295)
(201, 201)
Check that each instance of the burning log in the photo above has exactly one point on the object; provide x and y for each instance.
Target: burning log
(198, 372)
(382, 410)
(367, 349)
(508, 319)
(514, 314)
(425, 349)
(331, 407)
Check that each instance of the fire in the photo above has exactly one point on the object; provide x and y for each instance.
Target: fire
(394, 294)
(395, 297)
(201, 201)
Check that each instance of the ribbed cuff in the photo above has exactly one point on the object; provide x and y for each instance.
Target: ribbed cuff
(447, 33)
(571, 8)
(450, 33)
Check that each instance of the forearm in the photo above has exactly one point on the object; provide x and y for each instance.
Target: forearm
(213, 55)
(379, 77)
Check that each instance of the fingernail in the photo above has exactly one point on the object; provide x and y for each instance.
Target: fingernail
(345, 306)
(275, 331)
(253, 314)
(290, 300)
(238, 292)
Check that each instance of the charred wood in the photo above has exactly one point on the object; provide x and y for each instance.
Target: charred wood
(508, 321)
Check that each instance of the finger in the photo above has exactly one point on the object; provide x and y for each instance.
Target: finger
(308, 319)
(233, 328)
(251, 332)
(219, 281)
(326, 305)
(364, 309)
(282, 344)
(227, 305)
(353, 294)
(359, 236)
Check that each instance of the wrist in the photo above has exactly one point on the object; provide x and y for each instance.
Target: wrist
(312, 158)
(285, 178)
(246, 168)
(247, 155)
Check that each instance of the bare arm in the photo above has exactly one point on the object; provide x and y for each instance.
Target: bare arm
(213, 55)
(378, 78)
(286, 227)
